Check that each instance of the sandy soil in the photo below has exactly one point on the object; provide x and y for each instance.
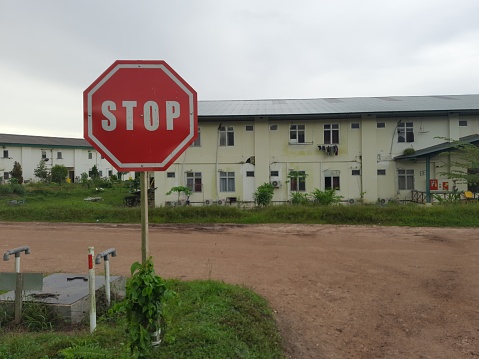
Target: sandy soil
(337, 291)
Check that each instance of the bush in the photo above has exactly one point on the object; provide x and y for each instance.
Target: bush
(264, 194)
(325, 197)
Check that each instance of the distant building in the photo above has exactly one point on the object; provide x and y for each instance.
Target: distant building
(74, 153)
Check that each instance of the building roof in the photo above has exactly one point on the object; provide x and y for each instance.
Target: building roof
(439, 148)
(350, 106)
(339, 106)
(42, 141)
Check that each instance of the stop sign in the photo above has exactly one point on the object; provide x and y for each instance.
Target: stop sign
(140, 115)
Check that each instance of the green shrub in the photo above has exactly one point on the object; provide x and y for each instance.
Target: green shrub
(325, 197)
(264, 194)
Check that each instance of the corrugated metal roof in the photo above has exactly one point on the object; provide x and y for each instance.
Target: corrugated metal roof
(42, 141)
(336, 106)
(436, 149)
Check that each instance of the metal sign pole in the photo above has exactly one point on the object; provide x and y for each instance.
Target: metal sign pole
(144, 216)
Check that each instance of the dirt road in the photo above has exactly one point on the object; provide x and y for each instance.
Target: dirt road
(338, 291)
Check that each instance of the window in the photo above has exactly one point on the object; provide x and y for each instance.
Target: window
(170, 174)
(6, 175)
(331, 180)
(273, 127)
(249, 127)
(298, 183)
(405, 179)
(355, 173)
(296, 134)
(197, 142)
(355, 125)
(193, 181)
(463, 123)
(274, 173)
(59, 155)
(249, 173)
(5, 153)
(381, 172)
(110, 173)
(331, 134)
(90, 155)
(44, 154)
(227, 181)
(227, 136)
(381, 125)
(100, 173)
(405, 132)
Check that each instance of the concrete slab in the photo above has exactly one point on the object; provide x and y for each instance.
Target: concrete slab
(68, 293)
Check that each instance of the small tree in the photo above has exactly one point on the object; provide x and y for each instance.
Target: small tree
(264, 194)
(41, 171)
(179, 190)
(463, 163)
(59, 174)
(325, 197)
(17, 172)
(94, 172)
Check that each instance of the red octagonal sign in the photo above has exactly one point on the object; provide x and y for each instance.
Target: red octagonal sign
(140, 115)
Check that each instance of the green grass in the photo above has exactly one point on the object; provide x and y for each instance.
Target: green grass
(45, 203)
(208, 320)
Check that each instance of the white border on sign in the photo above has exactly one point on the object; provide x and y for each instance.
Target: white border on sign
(140, 165)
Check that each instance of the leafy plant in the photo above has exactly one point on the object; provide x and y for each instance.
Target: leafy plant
(299, 198)
(143, 304)
(264, 194)
(179, 190)
(17, 172)
(325, 197)
(59, 174)
(41, 171)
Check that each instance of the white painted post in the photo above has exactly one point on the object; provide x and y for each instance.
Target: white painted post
(107, 281)
(91, 286)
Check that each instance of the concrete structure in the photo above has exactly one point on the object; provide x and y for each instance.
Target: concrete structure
(354, 145)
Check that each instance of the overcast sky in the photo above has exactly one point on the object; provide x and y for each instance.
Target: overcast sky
(51, 51)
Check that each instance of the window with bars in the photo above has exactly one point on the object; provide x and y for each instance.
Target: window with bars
(227, 136)
(298, 182)
(405, 179)
(405, 132)
(193, 181)
(227, 181)
(331, 180)
(297, 134)
(331, 133)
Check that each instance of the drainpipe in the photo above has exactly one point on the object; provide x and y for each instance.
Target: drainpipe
(428, 178)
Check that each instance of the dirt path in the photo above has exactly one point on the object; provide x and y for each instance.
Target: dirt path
(338, 291)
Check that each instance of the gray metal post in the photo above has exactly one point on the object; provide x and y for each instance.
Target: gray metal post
(19, 279)
(98, 258)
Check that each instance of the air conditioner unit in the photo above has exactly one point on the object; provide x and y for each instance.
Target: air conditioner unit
(221, 202)
(275, 183)
(382, 200)
(170, 203)
(208, 202)
(351, 201)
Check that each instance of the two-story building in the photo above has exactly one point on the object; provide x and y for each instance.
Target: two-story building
(353, 145)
